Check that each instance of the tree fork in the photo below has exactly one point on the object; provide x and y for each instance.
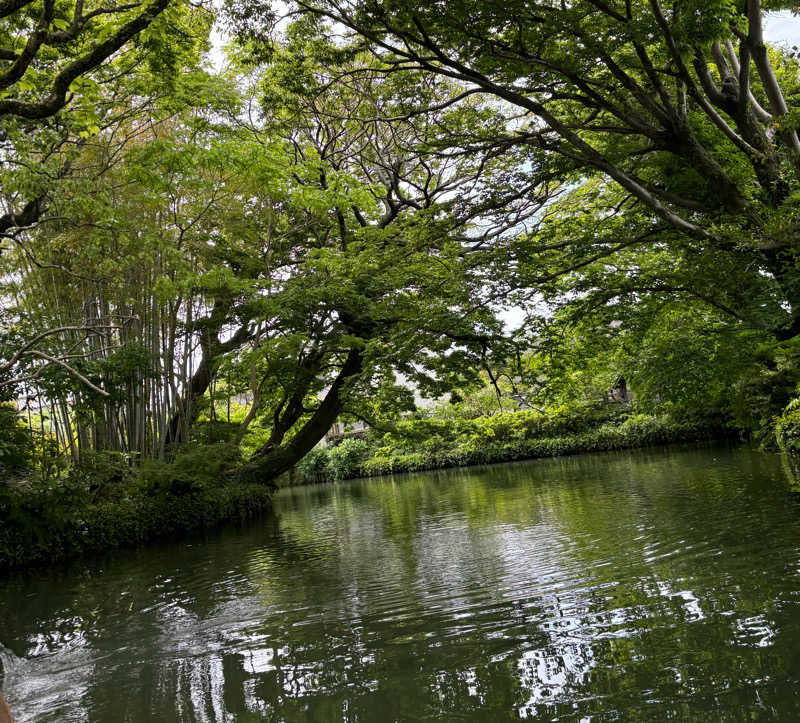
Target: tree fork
(269, 462)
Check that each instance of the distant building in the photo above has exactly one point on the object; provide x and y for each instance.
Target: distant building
(340, 430)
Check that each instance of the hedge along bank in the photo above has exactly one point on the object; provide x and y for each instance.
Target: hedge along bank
(441, 443)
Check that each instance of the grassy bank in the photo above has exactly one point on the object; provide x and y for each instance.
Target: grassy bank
(430, 444)
(103, 503)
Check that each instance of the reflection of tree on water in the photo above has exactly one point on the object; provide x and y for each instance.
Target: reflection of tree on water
(464, 603)
(516, 591)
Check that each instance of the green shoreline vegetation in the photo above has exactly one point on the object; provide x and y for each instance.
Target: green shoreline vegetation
(104, 503)
(567, 228)
(509, 437)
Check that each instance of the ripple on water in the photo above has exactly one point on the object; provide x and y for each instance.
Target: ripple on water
(645, 586)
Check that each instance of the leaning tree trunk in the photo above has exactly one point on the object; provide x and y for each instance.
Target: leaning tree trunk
(270, 461)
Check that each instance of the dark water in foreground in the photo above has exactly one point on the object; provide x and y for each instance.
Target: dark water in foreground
(655, 585)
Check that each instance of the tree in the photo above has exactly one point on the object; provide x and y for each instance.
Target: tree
(382, 268)
(53, 54)
(125, 278)
(306, 249)
(113, 66)
(682, 111)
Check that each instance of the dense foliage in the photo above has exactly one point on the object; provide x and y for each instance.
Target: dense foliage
(338, 222)
(101, 504)
(438, 442)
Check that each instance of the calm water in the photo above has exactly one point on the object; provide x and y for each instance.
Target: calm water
(661, 585)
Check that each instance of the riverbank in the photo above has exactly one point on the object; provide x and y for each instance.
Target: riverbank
(30, 536)
(104, 504)
(506, 438)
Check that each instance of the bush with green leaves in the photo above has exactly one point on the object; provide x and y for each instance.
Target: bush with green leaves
(103, 503)
(529, 436)
(102, 474)
(16, 441)
(346, 457)
(191, 470)
(787, 428)
(58, 521)
(315, 466)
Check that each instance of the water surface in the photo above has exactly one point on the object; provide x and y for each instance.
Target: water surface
(655, 585)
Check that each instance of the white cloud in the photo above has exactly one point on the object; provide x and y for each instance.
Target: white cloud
(782, 28)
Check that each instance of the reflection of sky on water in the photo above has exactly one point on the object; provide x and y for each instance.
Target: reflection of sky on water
(196, 685)
(689, 601)
(542, 601)
(54, 676)
(191, 655)
(555, 625)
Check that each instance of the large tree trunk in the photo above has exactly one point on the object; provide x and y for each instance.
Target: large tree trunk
(197, 387)
(212, 352)
(270, 461)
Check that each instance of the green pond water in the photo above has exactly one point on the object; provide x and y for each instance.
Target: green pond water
(650, 585)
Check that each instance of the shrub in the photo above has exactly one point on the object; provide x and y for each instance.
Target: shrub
(314, 467)
(530, 435)
(191, 470)
(16, 442)
(57, 519)
(787, 428)
(102, 474)
(345, 458)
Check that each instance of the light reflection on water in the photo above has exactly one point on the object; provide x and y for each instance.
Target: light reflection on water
(649, 585)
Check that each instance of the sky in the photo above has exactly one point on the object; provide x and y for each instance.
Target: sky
(782, 29)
